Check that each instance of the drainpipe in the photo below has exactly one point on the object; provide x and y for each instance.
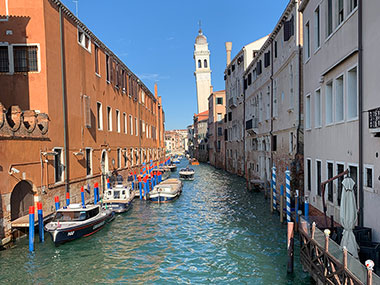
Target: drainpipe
(360, 95)
(63, 78)
(271, 109)
(244, 130)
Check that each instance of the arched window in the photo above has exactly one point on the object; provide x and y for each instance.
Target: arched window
(199, 63)
(205, 64)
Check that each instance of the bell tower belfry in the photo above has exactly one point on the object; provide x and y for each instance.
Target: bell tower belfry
(202, 71)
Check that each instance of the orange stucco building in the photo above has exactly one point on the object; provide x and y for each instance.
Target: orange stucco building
(70, 110)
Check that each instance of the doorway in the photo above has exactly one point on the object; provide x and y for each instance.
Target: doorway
(22, 198)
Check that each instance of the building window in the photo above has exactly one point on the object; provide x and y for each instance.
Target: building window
(99, 115)
(142, 96)
(220, 131)
(88, 161)
(199, 63)
(84, 39)
(125, 123)
(87, 111)
(317, 29)
(288, 29)
(118, 121)
(136, 127)
(307, 113)
(25, 58)
(96, 59)
(329, 18)
(339, 103)
(352, 93)
(308, 165)
(4, 59)
(339, 169)
(205, 63)
(307, 40)
(291, 84)
(330, 174)
(274, 143)
(119, 158)
(291, 142)
(317, 109)
(275, 49)
(352, 4)
(354, 175)
(219, 117)
(268, 105)
(339, 12)
(329, 103)
(275, 105)
(108, 68)
(368, 176)
(267, 59)
(58, 165)
(131, 124)
(219, 100)
(109, 118)
(319, 177)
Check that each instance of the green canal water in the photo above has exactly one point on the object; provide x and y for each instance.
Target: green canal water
(216, 232)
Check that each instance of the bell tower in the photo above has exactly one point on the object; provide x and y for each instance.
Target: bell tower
(202, 71)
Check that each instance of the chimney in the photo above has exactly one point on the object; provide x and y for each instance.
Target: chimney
(155, 90)
(228, 51)
(211, 89)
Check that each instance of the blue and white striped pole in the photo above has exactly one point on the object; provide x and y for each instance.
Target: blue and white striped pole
(274, 187)
(287, 175)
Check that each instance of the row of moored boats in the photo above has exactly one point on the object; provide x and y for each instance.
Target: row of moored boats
(80, 220)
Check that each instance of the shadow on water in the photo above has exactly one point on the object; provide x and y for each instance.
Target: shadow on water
(216, 232)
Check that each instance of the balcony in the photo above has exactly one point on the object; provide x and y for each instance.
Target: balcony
(374, 121)
(251, 126)
(232, 103)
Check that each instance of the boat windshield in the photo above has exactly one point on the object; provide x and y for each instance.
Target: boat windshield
(71, 216)
(116, 194)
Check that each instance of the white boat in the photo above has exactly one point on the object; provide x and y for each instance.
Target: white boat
(118, 198)
(186, 173)
(76, 221)
(166, 191)
(172, 167)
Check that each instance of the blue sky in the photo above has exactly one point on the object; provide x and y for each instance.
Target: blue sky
(155, 39)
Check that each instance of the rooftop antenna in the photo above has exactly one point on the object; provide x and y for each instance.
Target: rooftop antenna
(76, 7)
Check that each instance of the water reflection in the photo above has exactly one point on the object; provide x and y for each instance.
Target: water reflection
(216, 232)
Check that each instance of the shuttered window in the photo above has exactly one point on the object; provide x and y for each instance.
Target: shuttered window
(288, 29)
(87, 111)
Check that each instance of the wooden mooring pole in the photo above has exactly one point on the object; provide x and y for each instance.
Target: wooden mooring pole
(370, 265)
(290, 241)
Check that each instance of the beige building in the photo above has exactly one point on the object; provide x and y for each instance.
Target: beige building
(175, 141)
(200, 136)
(341, 124)
(216, 125)
(233, 76)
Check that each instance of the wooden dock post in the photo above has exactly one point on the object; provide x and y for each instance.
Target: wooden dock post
(290, 241)
(282, 204)
(370, 265)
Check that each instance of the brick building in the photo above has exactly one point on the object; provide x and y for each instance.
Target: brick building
(71, 111)
(200, 136)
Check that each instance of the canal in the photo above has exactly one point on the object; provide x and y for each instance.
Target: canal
(216, 232)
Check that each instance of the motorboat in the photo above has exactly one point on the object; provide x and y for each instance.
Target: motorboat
(76, 221)
(118, 198)
(176, 161)
(166, 191)
(186, 173)
(194, 161)
(172, 167)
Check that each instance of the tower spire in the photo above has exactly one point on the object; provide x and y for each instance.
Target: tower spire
(200, 27)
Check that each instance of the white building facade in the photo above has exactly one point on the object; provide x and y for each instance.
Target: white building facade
(202, 71)
(339, 102)
(234, 88)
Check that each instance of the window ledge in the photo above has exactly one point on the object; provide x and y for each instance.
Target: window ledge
(352, 119)
(317, 50)
(329, 125)
(307, 60)
(339, 122)
(368, 189)
(290, 110)
(318, 127)
(308, 129)
(108, 82)
(97, 74)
